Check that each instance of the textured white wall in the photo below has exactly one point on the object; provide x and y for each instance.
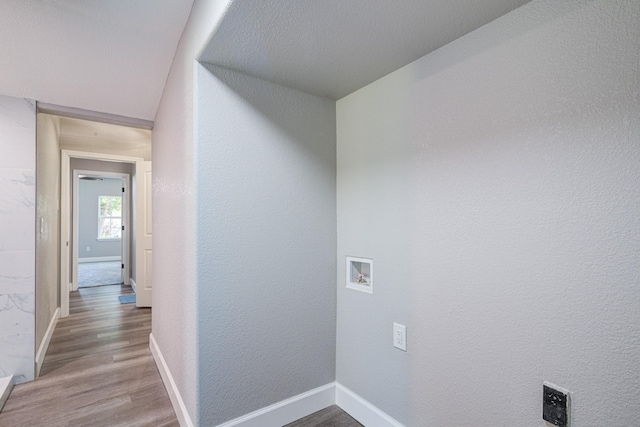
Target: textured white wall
(174, 284)
(266, 243)
(47, 238)
(17, 237)
(494, 183)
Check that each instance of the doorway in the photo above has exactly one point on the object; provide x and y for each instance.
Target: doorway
(73, 165)
(76, 136)
(101, 227)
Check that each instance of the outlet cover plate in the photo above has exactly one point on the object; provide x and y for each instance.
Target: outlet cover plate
(400, 336)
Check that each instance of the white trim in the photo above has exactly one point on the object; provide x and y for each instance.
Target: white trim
(288, 410)
(100, 156)
(172, 389)
(6, 385)
(65, 232)
(362, 410)
(133, 283)
(100, 259)
(44, 345)
(278, 414)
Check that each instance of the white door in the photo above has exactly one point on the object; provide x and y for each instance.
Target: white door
(143, 234)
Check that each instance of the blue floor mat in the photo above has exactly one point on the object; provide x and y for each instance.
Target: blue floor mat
(127, 299)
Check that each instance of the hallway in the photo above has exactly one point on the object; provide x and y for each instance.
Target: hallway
(98, 370)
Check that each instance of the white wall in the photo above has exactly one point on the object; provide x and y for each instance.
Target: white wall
(266, 243)
(494, 183)
(174, 282)
(48, 211)
(17, 237)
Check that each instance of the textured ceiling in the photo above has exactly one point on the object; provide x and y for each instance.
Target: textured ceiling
(105, 56)
(114, 56)
(333, 47)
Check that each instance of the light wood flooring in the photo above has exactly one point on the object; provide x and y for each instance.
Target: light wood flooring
(99, 372)
(332, 416)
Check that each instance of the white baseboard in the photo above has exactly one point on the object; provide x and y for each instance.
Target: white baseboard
(100, 259)
(362, 410)
(6, 385)
(44, 345)
(276, 415)
(172, 389)
(132, 283)
(288, 410)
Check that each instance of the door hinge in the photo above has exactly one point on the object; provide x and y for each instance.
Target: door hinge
(122, 266)
(123, 189)
(123, 228)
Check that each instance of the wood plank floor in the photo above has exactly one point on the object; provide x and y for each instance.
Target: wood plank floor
(98, 370)
(332, 416)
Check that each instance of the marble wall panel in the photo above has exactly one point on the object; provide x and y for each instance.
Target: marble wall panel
(18, 190)
(17, 237)
(17, 118)
(16, 231)
(17, 313)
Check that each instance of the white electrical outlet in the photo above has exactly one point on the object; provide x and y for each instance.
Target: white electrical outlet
(400, 336)
(88, 248)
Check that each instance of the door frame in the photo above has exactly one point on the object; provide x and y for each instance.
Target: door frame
(125, 240)
(66, 225)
